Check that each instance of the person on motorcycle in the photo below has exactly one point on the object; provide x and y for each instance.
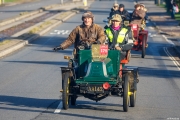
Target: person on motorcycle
(88, 31)
(119, 37)
(137, 15)
(123, 12)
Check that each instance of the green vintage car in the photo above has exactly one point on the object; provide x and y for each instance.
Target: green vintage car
(97, 73)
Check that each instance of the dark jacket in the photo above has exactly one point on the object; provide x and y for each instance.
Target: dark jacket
(111, 13)
(81, 32)
(124, 45)
(124, 14)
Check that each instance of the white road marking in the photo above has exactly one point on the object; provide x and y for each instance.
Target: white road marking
(151, 28)
(63, 32)
(152, 35)
(172, 58)
(168, 40)
(58, 109)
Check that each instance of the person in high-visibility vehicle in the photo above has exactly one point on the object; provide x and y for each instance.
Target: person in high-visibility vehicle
(119, 36)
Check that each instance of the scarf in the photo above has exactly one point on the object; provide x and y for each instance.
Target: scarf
(116, 28)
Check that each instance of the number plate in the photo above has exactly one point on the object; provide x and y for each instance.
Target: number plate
(95, 89)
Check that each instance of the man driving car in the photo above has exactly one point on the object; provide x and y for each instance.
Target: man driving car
(88, 31)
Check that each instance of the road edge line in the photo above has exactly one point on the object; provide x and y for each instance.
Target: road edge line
(59, 107)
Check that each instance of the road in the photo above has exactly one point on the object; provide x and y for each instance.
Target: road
(31, 79)
(11, 11)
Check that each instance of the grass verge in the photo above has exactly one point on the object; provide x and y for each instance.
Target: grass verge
(40, 27)
(4, 42)
(177, 16)
(13, 1)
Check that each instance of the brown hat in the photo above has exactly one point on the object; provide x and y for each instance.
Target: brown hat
(88, 14)
(116, 17)
(137, 5)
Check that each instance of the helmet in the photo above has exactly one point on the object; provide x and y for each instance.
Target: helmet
(88, 14)
(116, 17)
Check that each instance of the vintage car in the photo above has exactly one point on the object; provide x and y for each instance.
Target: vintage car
(140, 36)
(140, 39)
(97, 73)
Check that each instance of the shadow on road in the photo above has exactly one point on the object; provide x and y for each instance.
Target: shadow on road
(41, 62)
(159, 73)
(21, 103)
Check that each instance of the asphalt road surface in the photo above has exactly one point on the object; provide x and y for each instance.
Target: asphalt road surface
(11, 11)
(30, 80)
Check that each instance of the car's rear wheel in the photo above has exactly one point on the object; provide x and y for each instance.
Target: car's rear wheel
(65, 93)
(133, 99)
(126, 91)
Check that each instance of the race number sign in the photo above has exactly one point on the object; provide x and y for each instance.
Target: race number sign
(103, 49)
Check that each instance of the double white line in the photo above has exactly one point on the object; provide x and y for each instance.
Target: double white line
(172, 58)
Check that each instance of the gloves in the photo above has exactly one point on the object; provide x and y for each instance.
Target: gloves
(57, 48)
(118, 48)
(98, 42)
